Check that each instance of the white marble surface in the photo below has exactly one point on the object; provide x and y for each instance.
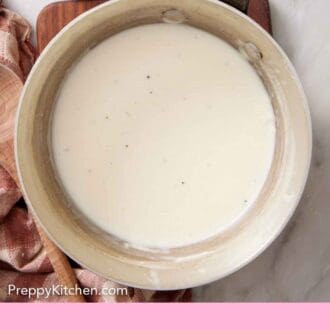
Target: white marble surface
(297, 265)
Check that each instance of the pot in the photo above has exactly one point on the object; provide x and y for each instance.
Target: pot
(198, 263)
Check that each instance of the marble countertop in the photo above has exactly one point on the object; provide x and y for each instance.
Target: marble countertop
(296, 267)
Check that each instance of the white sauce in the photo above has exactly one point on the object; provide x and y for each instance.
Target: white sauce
(163, 135)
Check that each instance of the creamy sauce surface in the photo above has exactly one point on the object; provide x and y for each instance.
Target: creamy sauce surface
(163, 135)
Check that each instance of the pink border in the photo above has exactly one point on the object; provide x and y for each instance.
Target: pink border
(165, 316)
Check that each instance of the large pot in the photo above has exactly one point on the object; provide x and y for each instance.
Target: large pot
(180, 267)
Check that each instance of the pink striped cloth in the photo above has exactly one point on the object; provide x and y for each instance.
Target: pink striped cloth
(23, 260)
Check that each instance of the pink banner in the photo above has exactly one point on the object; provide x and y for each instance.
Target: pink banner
(166, 316)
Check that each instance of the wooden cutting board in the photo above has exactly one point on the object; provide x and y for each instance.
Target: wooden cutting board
(58, 14)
